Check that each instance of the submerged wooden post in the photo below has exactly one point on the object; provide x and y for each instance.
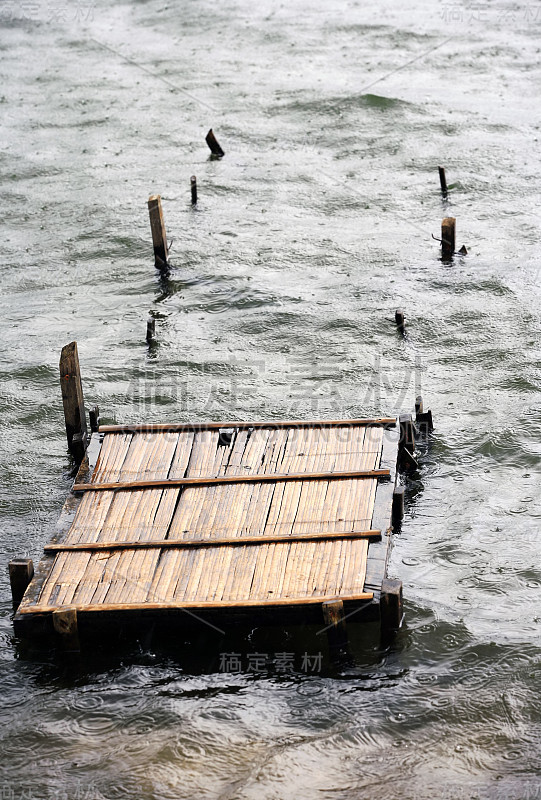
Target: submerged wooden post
(335, 622)
(65, 625)
(151, 329)
(398, 505)
(400, 320)
(94, 416)
(407, 432)
(157, 226)
(73, 400)
(193, 185)
(390, 606)
(21, 572)
(448, 229)
(212, 142)
(423, 418)
(443, 182)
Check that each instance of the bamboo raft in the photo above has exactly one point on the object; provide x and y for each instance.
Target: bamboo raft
(259, 519)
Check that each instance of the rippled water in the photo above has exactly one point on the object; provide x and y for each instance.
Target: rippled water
(308, 234)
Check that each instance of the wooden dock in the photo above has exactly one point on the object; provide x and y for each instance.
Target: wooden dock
(267, 520)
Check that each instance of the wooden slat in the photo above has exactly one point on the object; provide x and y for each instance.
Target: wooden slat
(294, 601)
(214, 542)
(210, 481)
(273, 424)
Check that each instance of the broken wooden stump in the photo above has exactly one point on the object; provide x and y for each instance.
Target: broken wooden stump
(448, 230)
(443, 181)
(94, 416)
(423, 419)
(212, 142)
(157, 227)
(21, 572)
(73, 400)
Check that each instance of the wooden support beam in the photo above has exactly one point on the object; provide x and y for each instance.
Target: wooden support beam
(21, 572)
(443, 181)
(407, 461)
(223, 479)
(202, 604)
(335, 624)
(237, 541)
(151, 329)
(65, 626)
(94, 416)
(398, 505)
(271, 425)
(448, 233)
(73, 400)
(400, 320)
(193, 187)
(391, 610)
(157, 226)
(212, 142)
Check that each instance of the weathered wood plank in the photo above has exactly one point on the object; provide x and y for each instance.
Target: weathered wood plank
(271, 425)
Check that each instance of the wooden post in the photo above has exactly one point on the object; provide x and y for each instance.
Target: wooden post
(151, 329)
(390, 606)
(193, 184)
(65, 625)
(423, 419)
(400, 320)
(443, 182)
(212, 142)
(335, 623)
(407, 432)
(157, 226)
(73, 400)
(448, 230)
(21, 572)
(94, 416)
(398, 505)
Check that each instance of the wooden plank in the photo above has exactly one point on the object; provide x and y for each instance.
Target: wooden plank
(210, 481)
(101, 607)
(272, 425)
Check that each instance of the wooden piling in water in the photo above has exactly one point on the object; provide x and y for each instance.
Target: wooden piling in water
(21, 572)
(443, 181)
(151, 329)
(73, 400)
(157, 226)
(66, 628)
(398, 505)
(390, 606)
(400, 320)
(423, 419)
(94, 417)
(212, 142)
(193, 186)
(448, 231)
(335, 623)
